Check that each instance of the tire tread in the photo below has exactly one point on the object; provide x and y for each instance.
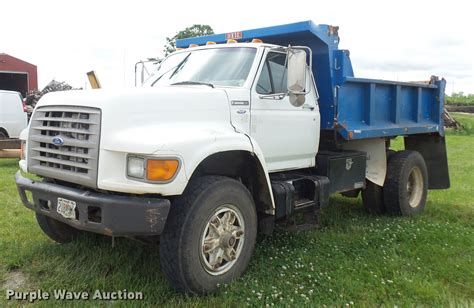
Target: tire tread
(372, 198)
(171, 249)
(50, 227)
(395, 173)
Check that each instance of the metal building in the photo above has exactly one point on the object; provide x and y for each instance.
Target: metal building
(17, 75)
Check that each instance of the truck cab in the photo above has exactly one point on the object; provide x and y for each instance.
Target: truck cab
(288, 136)
(230, 135)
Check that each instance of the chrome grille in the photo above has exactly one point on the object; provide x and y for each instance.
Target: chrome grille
(63, 143)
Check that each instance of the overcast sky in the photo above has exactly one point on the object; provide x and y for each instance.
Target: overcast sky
(399, 40)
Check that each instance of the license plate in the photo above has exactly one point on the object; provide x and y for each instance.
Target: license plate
(66, 208)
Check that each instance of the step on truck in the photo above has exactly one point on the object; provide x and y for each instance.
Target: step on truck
(232, 134)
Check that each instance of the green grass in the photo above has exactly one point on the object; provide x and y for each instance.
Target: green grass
(354, 258)
(467, 124)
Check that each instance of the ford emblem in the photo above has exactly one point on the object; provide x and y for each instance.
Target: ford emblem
(58, 141)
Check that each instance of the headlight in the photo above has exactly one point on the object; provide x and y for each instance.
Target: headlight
(150, 169)
(136, 167)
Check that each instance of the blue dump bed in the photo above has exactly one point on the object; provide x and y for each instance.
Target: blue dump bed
(357, 108)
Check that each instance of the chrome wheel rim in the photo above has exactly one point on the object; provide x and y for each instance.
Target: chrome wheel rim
(222, 239)
(415, 187)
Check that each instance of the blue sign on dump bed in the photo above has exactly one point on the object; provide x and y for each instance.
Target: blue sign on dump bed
(357, 108)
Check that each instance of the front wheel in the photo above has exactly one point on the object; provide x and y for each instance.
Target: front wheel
(209, 235)
(3, 135)
(56, 230)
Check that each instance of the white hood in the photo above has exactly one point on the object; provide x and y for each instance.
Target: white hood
(147, 118)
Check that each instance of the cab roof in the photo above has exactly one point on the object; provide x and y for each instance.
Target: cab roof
(236, 45)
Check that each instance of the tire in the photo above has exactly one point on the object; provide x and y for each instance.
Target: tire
(3, 135)
(372, 198)
(389, 154)
(184, 260)
(56, 230)
(372, 195)
(406, 185)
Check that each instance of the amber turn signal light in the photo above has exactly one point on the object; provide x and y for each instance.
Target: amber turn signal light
(22, 149)
(161, 170)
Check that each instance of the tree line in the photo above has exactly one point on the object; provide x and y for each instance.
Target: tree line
(460, 99)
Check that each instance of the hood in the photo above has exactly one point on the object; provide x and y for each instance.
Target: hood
(129, 115)
(163, 99)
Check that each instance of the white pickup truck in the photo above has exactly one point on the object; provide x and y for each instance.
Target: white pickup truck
(222, 140)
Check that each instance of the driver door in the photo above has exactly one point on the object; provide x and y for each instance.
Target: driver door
(288, 136)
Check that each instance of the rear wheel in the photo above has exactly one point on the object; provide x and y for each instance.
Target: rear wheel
(372, 198)
(372, 195)
(56, 230)
(406, 186)
(209, 235)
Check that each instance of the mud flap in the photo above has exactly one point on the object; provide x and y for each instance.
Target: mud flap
(433, 149)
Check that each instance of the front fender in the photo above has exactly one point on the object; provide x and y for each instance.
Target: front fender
(190, 142)
(232, 141)
(258, 152)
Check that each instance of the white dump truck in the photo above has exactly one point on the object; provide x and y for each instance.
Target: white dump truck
(229, 136)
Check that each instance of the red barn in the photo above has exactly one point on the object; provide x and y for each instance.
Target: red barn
(17, 75)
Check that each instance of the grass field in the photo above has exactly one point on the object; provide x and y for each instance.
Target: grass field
(354, 259)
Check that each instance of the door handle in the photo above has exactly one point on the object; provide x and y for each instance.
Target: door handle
(241, 111)
(306, 106)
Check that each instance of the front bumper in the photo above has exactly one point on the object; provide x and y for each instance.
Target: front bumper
(97, 212)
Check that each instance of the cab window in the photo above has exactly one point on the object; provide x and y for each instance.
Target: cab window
(273, 76)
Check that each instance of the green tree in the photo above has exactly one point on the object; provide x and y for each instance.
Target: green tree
(194, 30)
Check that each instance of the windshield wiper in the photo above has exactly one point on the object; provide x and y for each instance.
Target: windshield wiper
(176, 68)
(193, 83)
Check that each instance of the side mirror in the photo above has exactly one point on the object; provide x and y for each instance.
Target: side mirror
(296, 81)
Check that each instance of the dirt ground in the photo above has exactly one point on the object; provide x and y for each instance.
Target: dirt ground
(14, 280)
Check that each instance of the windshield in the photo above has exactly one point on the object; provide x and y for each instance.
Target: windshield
(215, 67)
